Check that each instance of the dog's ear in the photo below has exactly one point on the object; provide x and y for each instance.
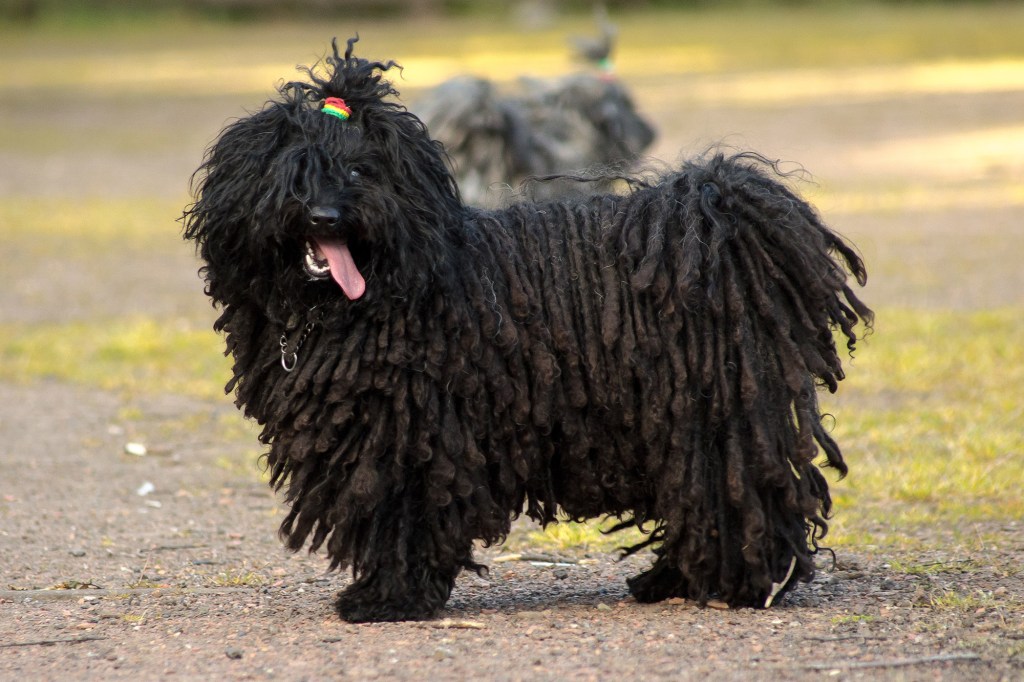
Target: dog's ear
(426, 206)
(415, 163)
(228, 187)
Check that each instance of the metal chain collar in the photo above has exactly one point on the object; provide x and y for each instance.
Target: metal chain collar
(290, 358)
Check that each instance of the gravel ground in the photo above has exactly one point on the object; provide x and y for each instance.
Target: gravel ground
(188, 581)
(166, 565)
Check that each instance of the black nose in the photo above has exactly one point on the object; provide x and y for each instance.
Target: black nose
(324, 216)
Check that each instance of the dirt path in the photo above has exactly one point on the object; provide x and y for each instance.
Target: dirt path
(188, 581)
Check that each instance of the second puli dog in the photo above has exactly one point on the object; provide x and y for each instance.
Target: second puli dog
(498, 139)
(424, 371)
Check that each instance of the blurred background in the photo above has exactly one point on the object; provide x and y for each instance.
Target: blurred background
(907, 119)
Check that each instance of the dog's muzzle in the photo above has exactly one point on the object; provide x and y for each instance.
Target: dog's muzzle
(314, 260)
(325, 256)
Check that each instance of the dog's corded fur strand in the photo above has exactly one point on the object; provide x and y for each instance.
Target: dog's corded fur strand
(652, 356)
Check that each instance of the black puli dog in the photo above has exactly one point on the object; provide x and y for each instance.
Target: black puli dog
(424, 372)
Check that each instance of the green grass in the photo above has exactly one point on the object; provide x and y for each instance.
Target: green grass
(187, 56)
(136, 355)
(930, 422)
(238, 578)
(852, 619)
(960, 601)
(573, 537)
(79, 225)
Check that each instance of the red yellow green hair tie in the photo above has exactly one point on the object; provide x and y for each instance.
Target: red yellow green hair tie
(335, 106)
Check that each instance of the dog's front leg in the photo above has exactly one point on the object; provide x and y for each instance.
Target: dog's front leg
(387, 596)
(406, 570)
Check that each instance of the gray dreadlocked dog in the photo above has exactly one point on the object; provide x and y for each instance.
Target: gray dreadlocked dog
(500, 138)
(424, 372)
(498, 142)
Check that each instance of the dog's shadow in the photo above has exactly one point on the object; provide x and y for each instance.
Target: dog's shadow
(524, 586)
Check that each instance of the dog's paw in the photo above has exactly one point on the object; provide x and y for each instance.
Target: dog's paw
(365, 605)
(661, 582)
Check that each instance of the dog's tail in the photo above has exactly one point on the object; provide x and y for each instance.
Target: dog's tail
(760, 293)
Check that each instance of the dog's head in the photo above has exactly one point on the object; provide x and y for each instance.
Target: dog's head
(617, 131)
(331, 191)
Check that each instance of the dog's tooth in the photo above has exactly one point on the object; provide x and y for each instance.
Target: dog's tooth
(315, 267)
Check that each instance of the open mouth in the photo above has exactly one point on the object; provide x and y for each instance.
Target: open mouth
(323, 258)
(315, 262)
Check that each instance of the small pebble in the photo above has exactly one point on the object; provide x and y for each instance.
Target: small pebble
(233, 653)
(137, 449)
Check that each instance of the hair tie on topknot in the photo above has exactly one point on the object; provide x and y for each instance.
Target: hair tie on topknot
(335, 106)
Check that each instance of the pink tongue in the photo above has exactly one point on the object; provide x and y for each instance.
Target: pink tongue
(343, 268)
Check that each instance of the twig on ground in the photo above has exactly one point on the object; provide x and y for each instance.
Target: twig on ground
(449, 624)
(55, 595)
(891, 663)
(538, 558)
(49, 642)
(842, 638)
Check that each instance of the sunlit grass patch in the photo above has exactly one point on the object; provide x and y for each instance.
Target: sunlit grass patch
(931, 197)
(136, 355)
(842, 34)
(852, 619)
(247, 465)
(929, 419)
(194, 55)
(88, 222)
(575, 537)
(962, 601)
(238, 578)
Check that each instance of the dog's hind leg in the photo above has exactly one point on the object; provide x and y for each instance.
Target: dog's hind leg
(661, 581)
(739, 584)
